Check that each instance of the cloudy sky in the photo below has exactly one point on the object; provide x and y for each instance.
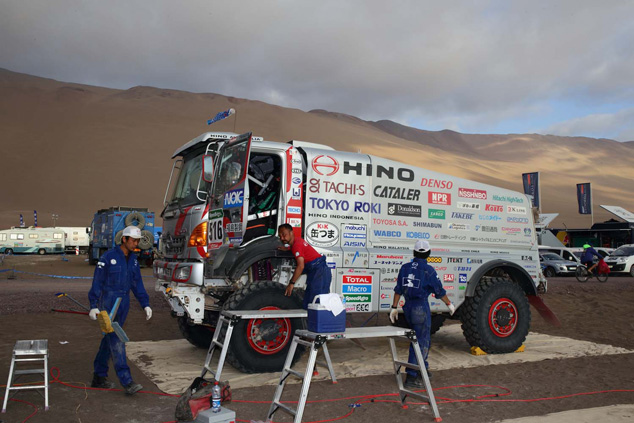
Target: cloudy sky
(552, 67)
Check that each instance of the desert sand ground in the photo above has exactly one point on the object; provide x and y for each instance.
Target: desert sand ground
(600, 313)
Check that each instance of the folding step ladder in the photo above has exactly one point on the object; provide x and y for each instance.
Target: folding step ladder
(27, 351)
(314, 341)
(231, 319)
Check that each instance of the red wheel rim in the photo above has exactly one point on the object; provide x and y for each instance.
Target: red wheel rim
(268, 336)
(503, 317)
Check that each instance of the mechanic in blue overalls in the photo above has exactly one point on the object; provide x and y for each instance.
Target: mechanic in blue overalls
(416, 281)
(116, 274)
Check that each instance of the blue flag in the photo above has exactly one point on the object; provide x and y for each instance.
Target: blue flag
(584, 198)
(35, 217)
(531, 186)
(221, 116)
(21, 221)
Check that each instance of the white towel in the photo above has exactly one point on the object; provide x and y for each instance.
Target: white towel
(331, 302)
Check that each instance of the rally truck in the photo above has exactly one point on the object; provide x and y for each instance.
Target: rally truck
(364, 213)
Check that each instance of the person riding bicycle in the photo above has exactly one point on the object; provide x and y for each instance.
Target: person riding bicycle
(587, 256)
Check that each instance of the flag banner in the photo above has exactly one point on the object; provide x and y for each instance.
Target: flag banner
(531, 186)
(584, 198)
(21, 221)
(221, 116)
(35, 217)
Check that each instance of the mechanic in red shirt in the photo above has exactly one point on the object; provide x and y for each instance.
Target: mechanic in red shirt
(309, 261)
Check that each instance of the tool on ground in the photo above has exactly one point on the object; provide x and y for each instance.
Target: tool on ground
(63, 294)
(108, 325)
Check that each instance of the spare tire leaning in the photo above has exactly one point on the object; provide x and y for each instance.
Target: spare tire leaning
(117, 237)
(147, 240)
(135, 216)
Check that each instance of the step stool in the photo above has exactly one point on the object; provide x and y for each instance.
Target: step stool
(28, 351)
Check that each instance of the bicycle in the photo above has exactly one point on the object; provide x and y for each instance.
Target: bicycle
(583, 275)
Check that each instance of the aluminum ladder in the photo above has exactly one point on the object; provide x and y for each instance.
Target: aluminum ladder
(314, 341)
(28, 351)
(231, 319)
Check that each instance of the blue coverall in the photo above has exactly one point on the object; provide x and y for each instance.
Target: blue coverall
(416, 281)
(318, 278)
(114, 277)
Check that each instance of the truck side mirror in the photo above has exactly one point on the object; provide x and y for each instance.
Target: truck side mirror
(208, 168)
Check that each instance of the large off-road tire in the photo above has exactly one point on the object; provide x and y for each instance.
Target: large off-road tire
(497, 317)
(261, 345)
(198, 335)
(147, 240)
(135, 218)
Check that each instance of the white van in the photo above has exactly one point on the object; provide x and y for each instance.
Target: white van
(622, 260)
(563, 252)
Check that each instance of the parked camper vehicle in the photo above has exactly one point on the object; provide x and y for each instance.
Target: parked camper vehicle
(76, 238)
(107, 228)
(32, 240)
(364, 213)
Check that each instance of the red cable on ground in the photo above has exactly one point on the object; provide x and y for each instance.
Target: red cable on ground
(28, 403)
(359, 398)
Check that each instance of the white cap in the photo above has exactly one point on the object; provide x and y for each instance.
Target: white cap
(132, 231)
(422, 246)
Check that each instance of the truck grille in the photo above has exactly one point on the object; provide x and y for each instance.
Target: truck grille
(174, 244)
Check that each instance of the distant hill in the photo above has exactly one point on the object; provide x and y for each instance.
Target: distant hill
(72, 149)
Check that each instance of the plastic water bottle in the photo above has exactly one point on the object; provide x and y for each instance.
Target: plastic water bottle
(215, 398)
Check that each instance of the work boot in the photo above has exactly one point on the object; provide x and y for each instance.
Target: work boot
(414, 382)
(132, 388)
(101, 382)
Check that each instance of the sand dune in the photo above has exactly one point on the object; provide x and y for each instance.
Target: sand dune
(72, 149)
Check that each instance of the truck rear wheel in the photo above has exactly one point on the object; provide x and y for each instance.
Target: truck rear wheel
(197, 335)
(261, 345)
(497, 317)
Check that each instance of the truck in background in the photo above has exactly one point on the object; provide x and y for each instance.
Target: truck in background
(76, 237)
(107, 228)
(32, 240)
(364, 213)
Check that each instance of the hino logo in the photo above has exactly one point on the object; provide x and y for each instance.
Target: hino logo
(325, 165)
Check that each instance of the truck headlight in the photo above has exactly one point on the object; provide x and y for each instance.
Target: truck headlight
(181, 274)
(198, 238)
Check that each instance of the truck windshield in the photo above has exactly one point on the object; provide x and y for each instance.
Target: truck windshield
(230, 172)
(190, 189)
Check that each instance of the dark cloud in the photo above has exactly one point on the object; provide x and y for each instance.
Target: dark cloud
(466, 65)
